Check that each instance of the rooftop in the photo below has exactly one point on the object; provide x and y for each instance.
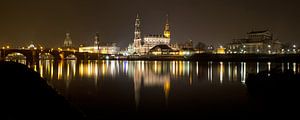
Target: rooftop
(255, 32)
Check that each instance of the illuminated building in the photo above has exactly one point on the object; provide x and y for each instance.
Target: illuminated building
(255, 42)
(102, 48)
(32, 46)
(68, 44)
(143, 47)
(137, 42)
(220, 50)
(68, 40)
(162, 50)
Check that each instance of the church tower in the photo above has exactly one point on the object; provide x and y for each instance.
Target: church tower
(97, 40)
(167, 32)
(137, 42)
(68, 40)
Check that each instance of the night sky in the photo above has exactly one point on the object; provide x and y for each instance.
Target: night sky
(215, 22)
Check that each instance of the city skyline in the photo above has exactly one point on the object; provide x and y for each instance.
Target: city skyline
(210, 22)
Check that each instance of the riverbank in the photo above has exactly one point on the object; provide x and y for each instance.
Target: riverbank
(219, 57)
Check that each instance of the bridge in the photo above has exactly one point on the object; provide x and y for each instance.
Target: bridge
(34, 55)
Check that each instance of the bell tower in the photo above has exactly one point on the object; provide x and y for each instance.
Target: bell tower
(137, 42)
(167, 32)
(68, 40)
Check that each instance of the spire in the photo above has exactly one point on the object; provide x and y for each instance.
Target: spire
(137, 16)
(137, 32)
(167, 21)
(96, 39)
(167, 32)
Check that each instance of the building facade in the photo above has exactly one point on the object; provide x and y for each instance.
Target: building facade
(142, 47)
(100, 47)
(68, 40)
(258, 42)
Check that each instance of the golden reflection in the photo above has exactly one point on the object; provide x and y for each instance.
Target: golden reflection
(96, 74)
(186, 67)
(143, 66)
(68, 71)
(235, 73)
(49, 65)
(112, 68)
(294, 68)
(298, 68)
(35, 68)
(89, 68)
(118, 66)
(173, 68)
(180, 68)
(125, 64)
(282, 67)
(243, 72)
(229, 71)
(103, 68)
(159, 75)
(41, 69)
(197, 68)
(60, 69)
(74, 67)
(209, 71)
(51, 71)
(191, 79)
(167, 89)
(81, 69)
(221, 72)
(257, 67)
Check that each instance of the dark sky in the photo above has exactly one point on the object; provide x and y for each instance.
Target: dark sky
(210, 21)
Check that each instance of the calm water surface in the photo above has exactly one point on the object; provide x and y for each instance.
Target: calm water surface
(108, 88)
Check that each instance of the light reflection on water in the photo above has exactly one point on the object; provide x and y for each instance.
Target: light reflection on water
(92, 79)
(155, 73)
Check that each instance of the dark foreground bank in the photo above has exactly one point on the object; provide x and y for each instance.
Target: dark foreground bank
(25, 95)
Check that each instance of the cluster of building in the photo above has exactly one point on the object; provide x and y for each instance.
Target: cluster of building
(142, 45)
(156, 44)
(98, 47)
(159, 45)
(255, 42)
